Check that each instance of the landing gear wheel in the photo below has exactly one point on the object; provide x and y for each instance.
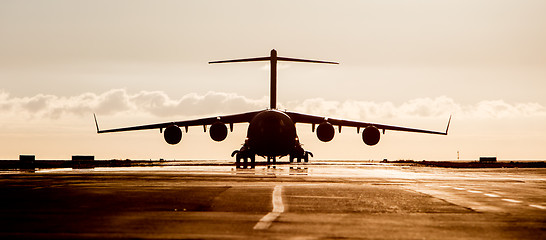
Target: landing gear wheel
(237, 155)
(306, 156)
(238, 159)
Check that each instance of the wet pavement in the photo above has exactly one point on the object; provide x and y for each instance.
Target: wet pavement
(315, 201)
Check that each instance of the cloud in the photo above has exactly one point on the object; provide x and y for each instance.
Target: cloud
(158, 103)
(120, 101)
(193, 104)
(420, 107)
(501, 109)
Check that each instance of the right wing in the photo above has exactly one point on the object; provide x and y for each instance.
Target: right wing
(311, 119)
(228, 119)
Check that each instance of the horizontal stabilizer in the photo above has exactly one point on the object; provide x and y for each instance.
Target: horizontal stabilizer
(243, 60)
(272, 58)
(303, 60)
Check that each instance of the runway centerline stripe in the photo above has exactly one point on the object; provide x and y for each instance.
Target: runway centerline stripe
(511, 200)
(537, 206)
(278, 208)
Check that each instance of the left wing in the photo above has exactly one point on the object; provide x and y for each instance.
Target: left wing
(229, 119)
(305, 118)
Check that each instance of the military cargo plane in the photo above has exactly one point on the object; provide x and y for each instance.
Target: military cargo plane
(271, 133)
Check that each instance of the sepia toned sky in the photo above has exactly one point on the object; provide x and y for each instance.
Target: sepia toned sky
(408, 63)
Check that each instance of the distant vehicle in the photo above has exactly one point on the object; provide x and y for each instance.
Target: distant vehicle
(271, 133)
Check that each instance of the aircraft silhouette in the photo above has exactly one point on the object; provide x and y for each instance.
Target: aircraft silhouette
(271, 133)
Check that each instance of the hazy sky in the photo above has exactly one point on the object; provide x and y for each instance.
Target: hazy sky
(409, 63)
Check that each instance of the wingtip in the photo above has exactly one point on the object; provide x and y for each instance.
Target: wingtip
(448, 122)
(96, 123)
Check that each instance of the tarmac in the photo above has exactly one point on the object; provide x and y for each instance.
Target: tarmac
(341, 200)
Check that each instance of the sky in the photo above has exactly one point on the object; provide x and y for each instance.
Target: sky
(406, 63)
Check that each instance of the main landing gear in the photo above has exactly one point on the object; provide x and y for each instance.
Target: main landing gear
(301, 157)
(244, 157)
(299, 153)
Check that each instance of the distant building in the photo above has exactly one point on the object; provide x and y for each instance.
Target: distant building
(82, 161)
(488, 159)
(83, 158)
(27, 158)
(27, 161)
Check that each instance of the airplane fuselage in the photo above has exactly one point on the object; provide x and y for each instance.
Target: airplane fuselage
(272, 133)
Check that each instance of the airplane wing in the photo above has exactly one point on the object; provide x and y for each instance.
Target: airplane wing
(227, 119)
(311, 119)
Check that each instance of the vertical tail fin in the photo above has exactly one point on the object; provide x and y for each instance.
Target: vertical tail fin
(273, 58)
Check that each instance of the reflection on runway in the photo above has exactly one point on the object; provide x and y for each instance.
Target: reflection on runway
(273, 170)
(317, 201)
(302, 171)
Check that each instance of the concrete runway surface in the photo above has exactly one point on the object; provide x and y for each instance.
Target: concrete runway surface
(314, 201)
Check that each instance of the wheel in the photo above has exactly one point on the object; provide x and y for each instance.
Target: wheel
(253, 160)
(238, 159)
(306, 157)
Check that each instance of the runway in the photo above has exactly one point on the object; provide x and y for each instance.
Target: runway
(343, 200)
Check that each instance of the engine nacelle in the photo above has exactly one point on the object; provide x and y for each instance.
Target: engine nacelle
(325, 132)
(172, 134)
(218, 131)
(371, 135)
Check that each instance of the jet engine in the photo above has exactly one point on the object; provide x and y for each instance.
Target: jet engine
(218, 131)
(325, 132)
(172, 134)
(371, 135)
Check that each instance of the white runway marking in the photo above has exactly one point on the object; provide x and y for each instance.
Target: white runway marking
(538, 206)
(491, 195)
(320, 197)
(511, 200)
(278, 208)
(459, 188)
(474, 191)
